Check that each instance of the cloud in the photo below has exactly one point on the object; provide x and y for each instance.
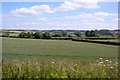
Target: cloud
(34, 10)
(90, 5)
(101, 19)
(103, 14)
(66, 6)
(116, 19)
(43, 19)
(86, 17)
(42, 8)
(80, 16)
(99, 16)
(87, 4)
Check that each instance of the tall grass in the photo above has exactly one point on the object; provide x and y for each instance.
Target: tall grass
(59, 69)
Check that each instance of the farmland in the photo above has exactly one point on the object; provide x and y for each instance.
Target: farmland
(54, 57)
(54, 48)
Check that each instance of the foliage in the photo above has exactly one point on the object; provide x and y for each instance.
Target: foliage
(22, 35)
(92, 33)
(38, 35)
(5, 35)
(78, 33)
(26, 35)
(29, 34)
(87, 33)
(46, 35)
(64, 33)
(57, 35)
(70, 35)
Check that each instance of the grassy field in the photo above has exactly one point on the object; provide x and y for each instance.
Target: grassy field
(58, 59)
(23, 48)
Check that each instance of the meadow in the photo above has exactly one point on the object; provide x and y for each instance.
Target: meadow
(38, 58)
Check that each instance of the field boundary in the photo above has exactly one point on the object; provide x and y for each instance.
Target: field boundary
(99, 42)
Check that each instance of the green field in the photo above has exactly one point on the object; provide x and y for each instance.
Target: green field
(111, 40)
(55, 49)
(38, 58)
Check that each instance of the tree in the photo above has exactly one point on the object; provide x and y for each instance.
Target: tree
(29, 34)
(57, 35)
(97, 33)
(46, 35)
(64, 33)
(5, 35)
(78, 33)
(70, 35)
(92, 33)
(22, 35)
(37, 35)
(87, 33)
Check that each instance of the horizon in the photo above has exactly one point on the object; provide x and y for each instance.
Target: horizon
(59, 15)
(59, 29)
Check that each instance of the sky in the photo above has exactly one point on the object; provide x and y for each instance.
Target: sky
(67, 15)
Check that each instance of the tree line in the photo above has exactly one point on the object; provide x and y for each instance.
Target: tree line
(62, 33)
(48, 35)
(36, 35)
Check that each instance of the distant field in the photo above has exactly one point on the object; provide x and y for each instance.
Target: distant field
(55, 49)
(111, 40)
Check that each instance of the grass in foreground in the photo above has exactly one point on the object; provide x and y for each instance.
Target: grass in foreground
(60, 69)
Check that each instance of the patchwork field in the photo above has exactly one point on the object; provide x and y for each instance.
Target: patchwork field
(58, 59)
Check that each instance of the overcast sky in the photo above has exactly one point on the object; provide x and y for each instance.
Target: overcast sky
(83, 15)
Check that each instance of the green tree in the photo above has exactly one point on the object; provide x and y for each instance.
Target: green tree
(57, 35)
(5, 35)
(46, 35)
(92, 33)
(29, 34)
(64, 34)
(78, 33)
(37, 35)
(87, 33)
(22, 35)
(70, 35)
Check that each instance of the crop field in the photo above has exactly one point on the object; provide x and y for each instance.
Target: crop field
(30, 58)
